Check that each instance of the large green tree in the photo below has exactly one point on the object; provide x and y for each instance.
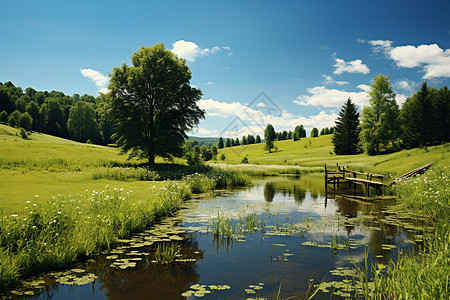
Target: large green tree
(153, 104)
(82, 123)
(380, 126)
(417, 119)
(346, 136)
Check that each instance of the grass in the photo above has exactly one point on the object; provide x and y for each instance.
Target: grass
(312, 153)
(62, 201)
(421, 275)
(166, 253)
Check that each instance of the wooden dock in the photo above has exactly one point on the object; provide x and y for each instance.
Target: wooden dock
(417, 171)
(377, 181)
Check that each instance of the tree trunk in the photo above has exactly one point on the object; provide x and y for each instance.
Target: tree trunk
(151, 159)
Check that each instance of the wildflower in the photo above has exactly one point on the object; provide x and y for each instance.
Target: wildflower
(28, 202)
(14, 215)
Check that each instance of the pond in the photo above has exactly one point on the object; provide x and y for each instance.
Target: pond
(275, 236)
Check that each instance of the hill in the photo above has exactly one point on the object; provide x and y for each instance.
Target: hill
(207, 141)
(315, 152)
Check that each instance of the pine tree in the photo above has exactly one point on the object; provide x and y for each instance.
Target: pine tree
(417, 119)
(220, 143)
(258, 139)
(346, 134)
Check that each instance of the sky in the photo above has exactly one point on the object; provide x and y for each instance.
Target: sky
(257, 62)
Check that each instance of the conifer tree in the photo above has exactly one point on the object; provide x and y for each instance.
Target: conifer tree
(346, 135)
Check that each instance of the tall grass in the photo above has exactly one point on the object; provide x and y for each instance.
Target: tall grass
(425, 274)
(52, 234)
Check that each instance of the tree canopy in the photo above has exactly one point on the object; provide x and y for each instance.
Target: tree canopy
(269, 137)
(380, 126)
(346, 135)
(153, 104)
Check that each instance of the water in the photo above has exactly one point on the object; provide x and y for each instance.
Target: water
(306, 235)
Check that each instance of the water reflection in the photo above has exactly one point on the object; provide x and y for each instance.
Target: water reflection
(284, 202)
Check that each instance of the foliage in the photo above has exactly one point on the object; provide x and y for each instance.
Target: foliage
(153, 104)
(82, 123)
(314, 132)
(4, 117)
(346, 136)
(380, 120)
(425, 117)
(269, 137)
(25, 121)
(220, 143)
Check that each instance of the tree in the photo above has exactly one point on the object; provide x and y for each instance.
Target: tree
(228, 143)
(442, 115)
(220, 143)
(314, 132)
(25, 121)
(82, 123)
(417, 119)
(250, 139)
(56, 120)
(4, 117)
(33, 110)
(346, 136)
(380, 119)
(258, 139)
(269, 137)
(214, 150)
(299, 132)
(153, 104)
(13, 119)
(237, 143)
(244, 140)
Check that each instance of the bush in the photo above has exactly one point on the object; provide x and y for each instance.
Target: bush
(4, 117)
(222, 156)
(244, 160)
(23, 134)
(25, 121)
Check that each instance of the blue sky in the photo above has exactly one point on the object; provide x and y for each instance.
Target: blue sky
(257, 62)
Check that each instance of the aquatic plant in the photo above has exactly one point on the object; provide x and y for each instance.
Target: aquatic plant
(166, 253)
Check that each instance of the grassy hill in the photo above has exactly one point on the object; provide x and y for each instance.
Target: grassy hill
(46, 166)
(315, 152)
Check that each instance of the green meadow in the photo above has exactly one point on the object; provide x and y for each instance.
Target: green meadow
(313, 153)
(57, 195)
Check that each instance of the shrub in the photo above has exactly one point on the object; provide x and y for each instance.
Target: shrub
(4, 117)
(25, 121)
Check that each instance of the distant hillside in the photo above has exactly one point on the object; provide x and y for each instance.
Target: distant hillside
(315, 152)
(207, 141)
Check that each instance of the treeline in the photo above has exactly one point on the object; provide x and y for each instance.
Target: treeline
(73, 117)
(298, 133)
(423, 120)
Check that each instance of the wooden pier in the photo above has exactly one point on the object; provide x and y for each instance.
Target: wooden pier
(377, 181)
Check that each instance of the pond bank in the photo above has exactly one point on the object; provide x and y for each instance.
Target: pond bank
(55, 233)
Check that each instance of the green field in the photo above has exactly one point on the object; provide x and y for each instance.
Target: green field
(315, 152)
(46, 166)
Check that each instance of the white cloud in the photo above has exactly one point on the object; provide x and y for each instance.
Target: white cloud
(364, 87)
(103, 90)
(245, 120)
(321, 96)
(434, 61)
(190, 50)
(354, 66)
(380, 45)
(361, 41)
(98, 78)
(204, 131)
(209, 83)
(330, 80)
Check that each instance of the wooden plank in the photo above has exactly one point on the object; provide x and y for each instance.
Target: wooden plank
(364, 181)
(417, 170)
